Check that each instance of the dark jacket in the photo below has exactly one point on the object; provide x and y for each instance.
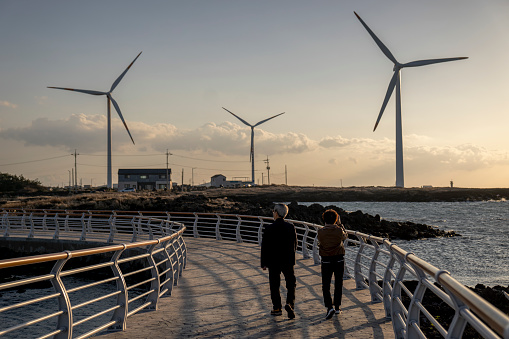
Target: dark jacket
(330, 240)
(279, 243)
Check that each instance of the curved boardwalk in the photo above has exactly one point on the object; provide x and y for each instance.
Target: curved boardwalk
(224, 293)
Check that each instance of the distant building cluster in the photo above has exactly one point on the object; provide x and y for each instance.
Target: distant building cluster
(156, 179)
(144, 179)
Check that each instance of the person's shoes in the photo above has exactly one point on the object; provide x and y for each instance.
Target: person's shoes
(276, 311)
(291, 312)
(338, 310)
(330, 313)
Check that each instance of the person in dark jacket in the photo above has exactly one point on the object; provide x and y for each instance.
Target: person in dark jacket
(332, 251)
(279, 243)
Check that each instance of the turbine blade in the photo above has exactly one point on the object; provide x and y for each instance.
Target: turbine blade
(380, 44)
(120, 115)
(390, 89)
(261, 122)
(430, 61)
(122, 75)
(81, 90)
(244, 121)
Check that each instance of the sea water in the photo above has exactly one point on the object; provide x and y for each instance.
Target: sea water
(479, 255)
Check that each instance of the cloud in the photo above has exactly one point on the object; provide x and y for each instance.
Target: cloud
(8, 104)
(87, 133)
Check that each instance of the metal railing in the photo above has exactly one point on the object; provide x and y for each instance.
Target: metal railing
(374, 263)
(95, 288)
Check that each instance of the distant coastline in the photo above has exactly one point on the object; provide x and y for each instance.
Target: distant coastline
(365, 193)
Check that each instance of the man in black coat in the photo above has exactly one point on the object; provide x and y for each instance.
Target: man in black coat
(279, 243)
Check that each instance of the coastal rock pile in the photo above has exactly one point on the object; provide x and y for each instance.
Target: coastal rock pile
(366, 223)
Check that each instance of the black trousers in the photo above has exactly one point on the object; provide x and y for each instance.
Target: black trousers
(334, 265)
(275, 282)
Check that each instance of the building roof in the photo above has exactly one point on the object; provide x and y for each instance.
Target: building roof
(143, 171)
(218, 175)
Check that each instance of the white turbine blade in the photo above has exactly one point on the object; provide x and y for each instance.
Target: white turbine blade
(261, 122)
(122, 75)
(120, 115)
(81, 90)
(430, 61)
(251, 153)
(244, 121)
(380, 44)
(390, 89)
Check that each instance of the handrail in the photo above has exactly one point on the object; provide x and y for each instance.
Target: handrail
(369, 260)
(136, 289)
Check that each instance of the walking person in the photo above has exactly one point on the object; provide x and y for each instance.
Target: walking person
(332, 251)
(279, 243)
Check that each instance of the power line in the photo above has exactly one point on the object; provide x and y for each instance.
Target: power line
(30, 161)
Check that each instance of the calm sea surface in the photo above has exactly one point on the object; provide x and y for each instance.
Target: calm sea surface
(480, 255)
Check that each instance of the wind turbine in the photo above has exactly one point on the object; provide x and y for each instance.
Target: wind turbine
(396, 82)
(117, 108)
(251, 153)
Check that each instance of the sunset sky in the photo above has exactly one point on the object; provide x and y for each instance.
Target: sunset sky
(310, 59)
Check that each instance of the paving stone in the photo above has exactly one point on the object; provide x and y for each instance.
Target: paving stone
(223, 293)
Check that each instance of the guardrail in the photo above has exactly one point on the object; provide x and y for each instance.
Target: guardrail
(374, 263)
(94, 289)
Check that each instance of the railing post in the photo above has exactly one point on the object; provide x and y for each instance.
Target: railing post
(32, 226)
(176, 272)
(57, 228)
(66, 222)
(149, 226)
(388, 277)
(316, 254)
(304, 243)
(218, 223)
(135, 229)
(83, 228)
(120, 314)
(398, 315)
(155, 284)
(414, 312)
(260, 231)
(64, 320)
(111, 222)
(44, 225)
(195, 226)
(238, 235)
(7, 224)
(374, 288)
(458, 323)
(359, 280)
(169, 266)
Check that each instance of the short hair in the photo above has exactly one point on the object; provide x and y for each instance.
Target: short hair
(281, 210)
(330, 217)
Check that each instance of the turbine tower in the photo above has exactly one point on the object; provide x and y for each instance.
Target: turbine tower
(251, 153)
(396, 82)
(117, 108)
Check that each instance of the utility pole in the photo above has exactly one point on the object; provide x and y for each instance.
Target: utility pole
(262, 178)
(182, 180)
(192, 176)
(286, 177)
(75, 170)
(167, 172)
(268, 169)
(72, 170)
(69, 180)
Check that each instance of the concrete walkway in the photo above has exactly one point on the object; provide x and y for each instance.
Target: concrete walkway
(224, 293)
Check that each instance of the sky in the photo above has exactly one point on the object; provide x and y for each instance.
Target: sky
(312, 60)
